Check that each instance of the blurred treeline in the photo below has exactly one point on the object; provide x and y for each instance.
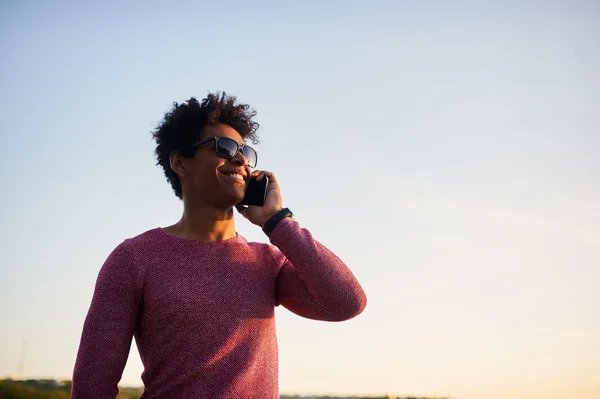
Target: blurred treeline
(51, 389)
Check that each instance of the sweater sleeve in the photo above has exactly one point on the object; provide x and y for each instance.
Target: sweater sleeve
(108, 329)
(312, 281)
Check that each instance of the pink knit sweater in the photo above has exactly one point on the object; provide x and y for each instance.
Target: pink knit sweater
(202, 313)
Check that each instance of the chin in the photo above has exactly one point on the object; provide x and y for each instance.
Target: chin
(233, 197)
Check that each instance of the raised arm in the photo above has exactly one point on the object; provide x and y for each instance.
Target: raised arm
(108, 329)
(313, 282)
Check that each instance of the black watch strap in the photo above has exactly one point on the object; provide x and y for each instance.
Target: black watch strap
(276, 218)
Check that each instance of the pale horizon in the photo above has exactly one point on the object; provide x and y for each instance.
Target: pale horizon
(449, 154)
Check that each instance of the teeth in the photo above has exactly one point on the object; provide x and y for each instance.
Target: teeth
(236, 176)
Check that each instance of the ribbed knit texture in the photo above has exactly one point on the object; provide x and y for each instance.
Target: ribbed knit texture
(202, 313)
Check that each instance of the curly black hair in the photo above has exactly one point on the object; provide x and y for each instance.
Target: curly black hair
(182, 125)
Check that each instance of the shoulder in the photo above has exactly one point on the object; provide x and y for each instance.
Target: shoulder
(266, 251)
(127, 260)
(131, 249)
(151, 237)
(145, 244)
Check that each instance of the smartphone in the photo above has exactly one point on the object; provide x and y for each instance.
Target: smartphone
(256, 192)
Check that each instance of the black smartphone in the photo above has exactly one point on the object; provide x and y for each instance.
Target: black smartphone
(256, 192)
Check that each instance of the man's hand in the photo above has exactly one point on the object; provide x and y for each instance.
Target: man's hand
(258, 215)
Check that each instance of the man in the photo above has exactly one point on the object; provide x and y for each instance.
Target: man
(196, 295)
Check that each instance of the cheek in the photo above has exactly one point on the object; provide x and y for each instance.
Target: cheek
(207, 175)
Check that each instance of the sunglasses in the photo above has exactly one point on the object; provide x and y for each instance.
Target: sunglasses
(229, 148)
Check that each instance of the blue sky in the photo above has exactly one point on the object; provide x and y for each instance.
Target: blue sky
(449, 153)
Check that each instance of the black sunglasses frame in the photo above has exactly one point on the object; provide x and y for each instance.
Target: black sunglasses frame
(240, 147)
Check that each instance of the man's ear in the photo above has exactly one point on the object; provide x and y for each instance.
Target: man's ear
(178, 164)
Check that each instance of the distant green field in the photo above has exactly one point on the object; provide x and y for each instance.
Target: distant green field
(51, 389)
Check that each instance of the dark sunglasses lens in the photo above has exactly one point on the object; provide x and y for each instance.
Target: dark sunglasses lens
(250, 155)
(227, 148)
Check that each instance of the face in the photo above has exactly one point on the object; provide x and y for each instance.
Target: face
(211, 179)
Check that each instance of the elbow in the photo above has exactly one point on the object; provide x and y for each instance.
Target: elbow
(358, 304)
(352, 306)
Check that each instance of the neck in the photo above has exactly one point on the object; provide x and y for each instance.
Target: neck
(204, 222)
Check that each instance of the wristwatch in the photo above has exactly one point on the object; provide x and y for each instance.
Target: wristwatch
(276, 218)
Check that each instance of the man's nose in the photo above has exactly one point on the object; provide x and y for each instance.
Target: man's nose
(240, 159)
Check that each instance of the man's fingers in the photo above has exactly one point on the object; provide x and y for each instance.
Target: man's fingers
(271, 177)
(261, 175)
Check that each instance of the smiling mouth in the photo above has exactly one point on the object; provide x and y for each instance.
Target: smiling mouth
(236, 176)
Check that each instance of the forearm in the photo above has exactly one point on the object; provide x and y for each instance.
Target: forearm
(325, 286)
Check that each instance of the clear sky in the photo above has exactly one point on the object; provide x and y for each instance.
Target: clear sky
(448, 152)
